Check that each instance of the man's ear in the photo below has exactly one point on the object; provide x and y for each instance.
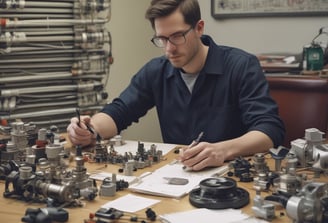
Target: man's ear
(200, 27)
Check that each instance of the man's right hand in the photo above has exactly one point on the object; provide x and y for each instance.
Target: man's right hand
(78, 133)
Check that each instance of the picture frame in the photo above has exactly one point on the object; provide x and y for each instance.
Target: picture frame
(221, 9)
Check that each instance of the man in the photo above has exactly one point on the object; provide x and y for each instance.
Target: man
(196, 87)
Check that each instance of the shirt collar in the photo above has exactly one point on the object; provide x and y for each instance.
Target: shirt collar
(215, 57)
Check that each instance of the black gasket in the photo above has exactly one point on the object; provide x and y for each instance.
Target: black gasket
(218, 193)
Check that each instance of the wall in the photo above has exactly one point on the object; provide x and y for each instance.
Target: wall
(131, 34)
(263, 35)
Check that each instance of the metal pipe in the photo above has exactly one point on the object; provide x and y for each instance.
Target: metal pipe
(80, 87)
(61, 30)
(17, 51)
(7, 23)
(48, 76)
(38, 78)
(58, 59)
(50, 113)
(48, 4)
(14, 13)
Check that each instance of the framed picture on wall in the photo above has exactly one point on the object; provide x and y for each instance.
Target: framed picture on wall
(221, 9)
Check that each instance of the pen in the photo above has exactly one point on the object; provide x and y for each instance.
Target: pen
(79, 123)
(193, 143)
(196, 141)
(78, 116)
(90, 129)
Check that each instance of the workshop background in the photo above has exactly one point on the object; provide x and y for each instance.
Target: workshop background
(131, 34)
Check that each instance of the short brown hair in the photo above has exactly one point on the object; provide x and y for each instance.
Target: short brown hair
(161, 8)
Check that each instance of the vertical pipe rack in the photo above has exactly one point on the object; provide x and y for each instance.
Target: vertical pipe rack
(54, 56)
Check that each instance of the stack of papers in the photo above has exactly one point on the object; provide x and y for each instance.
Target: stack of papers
(130, 203)
(155, 183)
(278, 63)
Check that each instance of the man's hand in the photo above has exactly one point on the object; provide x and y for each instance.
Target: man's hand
(78, 132)
(203, 155)
(215, 154)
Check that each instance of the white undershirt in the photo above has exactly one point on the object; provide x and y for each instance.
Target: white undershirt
(189, 79)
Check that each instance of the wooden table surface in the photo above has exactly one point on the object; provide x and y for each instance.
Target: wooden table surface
(13, 210)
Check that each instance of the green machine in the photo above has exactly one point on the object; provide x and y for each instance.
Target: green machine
(313, 56)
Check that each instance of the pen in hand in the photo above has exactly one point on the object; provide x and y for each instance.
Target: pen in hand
(78, 147)
(90, 129)
(193, 143)
(196, 141)
(78, 116)
(79, 123)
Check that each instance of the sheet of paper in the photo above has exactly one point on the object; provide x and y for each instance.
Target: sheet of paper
(209, 216)
(130, 203)
(204, 215)
(252, 220)
(132, 146)
(155, 183)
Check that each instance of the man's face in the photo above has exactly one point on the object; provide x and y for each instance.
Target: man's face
(180, 55)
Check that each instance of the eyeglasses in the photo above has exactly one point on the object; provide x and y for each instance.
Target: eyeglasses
(175, 39)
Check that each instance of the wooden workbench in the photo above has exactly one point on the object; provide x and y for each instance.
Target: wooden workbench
(13, 210)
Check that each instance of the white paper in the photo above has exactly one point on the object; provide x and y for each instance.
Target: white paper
(209, 216)
(155, 183)
(204, 215)
(252, 220)
(130, 203)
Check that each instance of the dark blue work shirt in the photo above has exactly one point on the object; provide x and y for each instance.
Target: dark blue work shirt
(230, 97)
